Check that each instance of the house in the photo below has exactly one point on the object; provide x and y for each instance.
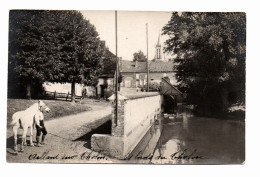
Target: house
(103, 89)
(105, 86)
(135, 73)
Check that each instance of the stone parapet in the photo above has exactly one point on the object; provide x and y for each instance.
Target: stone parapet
(136, 114)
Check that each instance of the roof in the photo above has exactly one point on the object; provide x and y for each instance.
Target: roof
(161, 66)
(154, 66)
(158, 42)
(131, 66)
(171, 85)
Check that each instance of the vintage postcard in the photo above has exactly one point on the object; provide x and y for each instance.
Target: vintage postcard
(126, 87)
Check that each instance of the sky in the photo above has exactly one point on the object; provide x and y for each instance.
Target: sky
(131, 29)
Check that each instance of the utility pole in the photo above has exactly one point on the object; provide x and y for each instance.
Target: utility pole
(116, 85)
(147, 63)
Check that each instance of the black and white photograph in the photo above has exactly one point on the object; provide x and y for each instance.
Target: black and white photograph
(126, 87)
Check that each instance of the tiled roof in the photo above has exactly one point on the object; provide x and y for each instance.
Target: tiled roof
(154, 66)
(130, 66)
(161, 66)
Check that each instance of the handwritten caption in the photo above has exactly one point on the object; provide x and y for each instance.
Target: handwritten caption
(179, 155)
(84, 156)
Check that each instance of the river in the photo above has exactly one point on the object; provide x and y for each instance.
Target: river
(192, 140)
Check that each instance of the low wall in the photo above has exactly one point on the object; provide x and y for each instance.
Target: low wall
(136, 115)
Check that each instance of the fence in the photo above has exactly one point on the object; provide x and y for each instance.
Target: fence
(60, 96)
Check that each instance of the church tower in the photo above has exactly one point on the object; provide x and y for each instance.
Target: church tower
(158, 54)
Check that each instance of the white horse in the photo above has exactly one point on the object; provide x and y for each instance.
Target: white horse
(25, 119)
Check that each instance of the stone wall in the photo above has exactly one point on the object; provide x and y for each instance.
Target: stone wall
(139, 116)
(136, 115)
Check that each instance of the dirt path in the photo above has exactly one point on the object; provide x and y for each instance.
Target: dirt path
(74, 126)
(61, 145)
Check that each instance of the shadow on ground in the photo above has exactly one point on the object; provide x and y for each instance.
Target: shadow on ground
(10, 144)
(103, 129)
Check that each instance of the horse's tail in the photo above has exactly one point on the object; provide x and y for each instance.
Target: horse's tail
(15, 118)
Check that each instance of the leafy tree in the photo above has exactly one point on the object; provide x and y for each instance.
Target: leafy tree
(109, 66)
(109, 63)
(210, 63)
(55, 46)
(25, 48)
(80, 50)
(139, 56)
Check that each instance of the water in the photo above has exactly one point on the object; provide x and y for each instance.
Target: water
(193, 140)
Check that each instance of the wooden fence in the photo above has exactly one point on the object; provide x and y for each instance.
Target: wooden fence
(60, 96)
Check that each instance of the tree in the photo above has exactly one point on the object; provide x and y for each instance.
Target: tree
(109, 66)
(139, 56)
(109, 63)
(55, 46)
(80, 50)
(25, 48)
(210, 61)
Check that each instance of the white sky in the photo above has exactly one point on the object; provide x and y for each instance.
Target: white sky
(131, 30)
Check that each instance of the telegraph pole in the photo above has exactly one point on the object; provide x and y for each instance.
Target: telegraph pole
(116, 85)
(147, 63)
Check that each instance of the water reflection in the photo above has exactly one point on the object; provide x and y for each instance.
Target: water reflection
(143, 152)
(194, 140)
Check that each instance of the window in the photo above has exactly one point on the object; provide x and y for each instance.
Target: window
(137, 83)
(137, 76)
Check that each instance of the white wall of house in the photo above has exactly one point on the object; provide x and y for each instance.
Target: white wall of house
(63, 88)
(66, 87)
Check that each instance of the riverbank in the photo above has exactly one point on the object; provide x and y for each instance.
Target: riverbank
(238, 115)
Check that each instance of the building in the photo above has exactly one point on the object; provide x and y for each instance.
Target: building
(158, 52)
(103, 89)
(135, 73)
(105, 86)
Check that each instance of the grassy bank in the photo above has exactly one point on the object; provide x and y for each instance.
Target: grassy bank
(58, 108)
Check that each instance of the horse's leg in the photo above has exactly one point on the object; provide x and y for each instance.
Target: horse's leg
(15, 128)
(24, 138)
(31, 136)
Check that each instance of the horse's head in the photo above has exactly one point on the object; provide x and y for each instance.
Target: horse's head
(43, 107)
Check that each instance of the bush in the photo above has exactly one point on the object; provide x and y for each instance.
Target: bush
(154, 86)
